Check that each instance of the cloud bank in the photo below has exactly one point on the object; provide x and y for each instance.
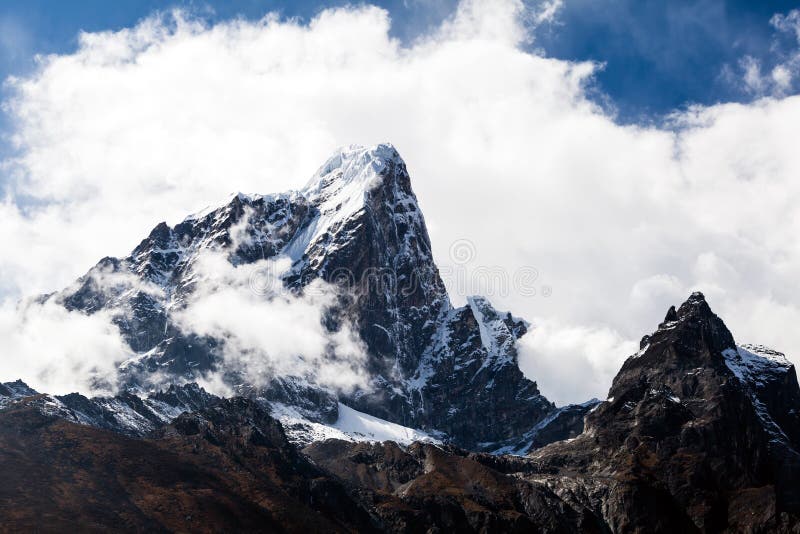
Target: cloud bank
(503, 145)
(266, 331)
(58, 351)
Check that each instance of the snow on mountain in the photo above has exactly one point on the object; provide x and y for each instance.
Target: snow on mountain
(133, 413)
(498, 333)
(351, 425)
(357, 227)
(339, 190)
(760, 371)
(753, 364)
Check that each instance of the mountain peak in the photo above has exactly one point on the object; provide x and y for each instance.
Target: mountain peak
(352, 165)
(353, 177)
(695, 305)
(693, 327)
(358, 225)
(695, 315)
(695, 302)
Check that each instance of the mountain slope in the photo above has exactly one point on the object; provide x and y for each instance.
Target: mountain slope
(129, 413)
(224, 468)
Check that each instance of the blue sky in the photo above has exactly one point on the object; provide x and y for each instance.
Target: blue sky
(658, 55)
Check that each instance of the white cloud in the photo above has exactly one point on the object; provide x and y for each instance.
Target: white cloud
(547, 10)
(789, 23)
(573, 364)
(267, 331)
(754, 80)
(503, 146)
(780, 79)
(57, 351)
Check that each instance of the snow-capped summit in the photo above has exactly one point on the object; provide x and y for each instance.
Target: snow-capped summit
(340, 187)
(353, 164)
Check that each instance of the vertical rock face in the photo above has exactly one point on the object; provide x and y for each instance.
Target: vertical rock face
(697, 434)
(357, 226)
(368, 233)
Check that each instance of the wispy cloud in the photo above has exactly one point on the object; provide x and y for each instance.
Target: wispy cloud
(546, 11)
(780, 75)
(15, 41)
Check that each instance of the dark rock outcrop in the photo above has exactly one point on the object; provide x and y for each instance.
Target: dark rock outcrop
(425, 487)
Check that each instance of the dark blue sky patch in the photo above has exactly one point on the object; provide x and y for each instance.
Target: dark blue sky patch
(663, 55)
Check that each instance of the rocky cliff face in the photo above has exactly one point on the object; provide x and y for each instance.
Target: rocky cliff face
(356, 225)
